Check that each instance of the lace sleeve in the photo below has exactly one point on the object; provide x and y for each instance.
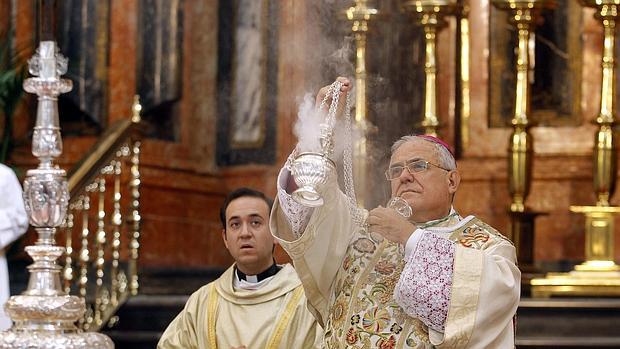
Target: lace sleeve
(296, 214)
(423, 290)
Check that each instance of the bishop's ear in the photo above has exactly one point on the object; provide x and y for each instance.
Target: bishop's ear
(454, 179)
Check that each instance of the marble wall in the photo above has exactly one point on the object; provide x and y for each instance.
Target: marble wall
(185, 179)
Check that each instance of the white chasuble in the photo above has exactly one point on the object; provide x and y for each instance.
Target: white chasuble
(350, 277)
(219, 315)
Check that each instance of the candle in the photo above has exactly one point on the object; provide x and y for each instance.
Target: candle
(47, 17)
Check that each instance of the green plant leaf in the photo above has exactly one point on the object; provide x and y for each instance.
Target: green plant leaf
(12, 75)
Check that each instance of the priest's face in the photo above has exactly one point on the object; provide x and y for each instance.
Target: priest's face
(429, 192)
(247, 236)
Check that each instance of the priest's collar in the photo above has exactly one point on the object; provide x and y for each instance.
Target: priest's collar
(440, 221)
(271, 271)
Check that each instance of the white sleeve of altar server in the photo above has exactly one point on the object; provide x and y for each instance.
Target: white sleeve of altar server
(13, 218)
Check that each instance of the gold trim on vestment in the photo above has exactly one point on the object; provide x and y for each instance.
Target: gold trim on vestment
(466, 278)
(464, 303)
(276, 337)
(274, 341)
(211, 312)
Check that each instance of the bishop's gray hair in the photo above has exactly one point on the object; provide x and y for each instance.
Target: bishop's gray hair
(446, 160)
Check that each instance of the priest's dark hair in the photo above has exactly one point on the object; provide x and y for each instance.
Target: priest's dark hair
(240, 193)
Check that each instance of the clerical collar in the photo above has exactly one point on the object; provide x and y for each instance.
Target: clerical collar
(435, 222)
(271, 271)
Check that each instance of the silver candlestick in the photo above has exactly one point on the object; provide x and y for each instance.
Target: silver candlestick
(44, 316)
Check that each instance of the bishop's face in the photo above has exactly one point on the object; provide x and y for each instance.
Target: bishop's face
(428, 192)
(247, 236)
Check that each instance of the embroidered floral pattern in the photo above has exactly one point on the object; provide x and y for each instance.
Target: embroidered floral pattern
(382, 290)
(346, 264)
(352, 336)
(366, 311)
(365, 285)
(385, 267)
(339, 312)
(364, 245)
(423, 290)
(387, 343)
(473, 237)
(396, 328)
(376, 320)
(490, 230)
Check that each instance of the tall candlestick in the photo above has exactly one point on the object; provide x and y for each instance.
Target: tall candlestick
(599, 275)
(523, 15)
(44, 315)
(359, 15)
(430, 14)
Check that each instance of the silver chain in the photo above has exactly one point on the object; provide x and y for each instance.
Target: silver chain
(330, 91)
(356, 212)
(327, 128)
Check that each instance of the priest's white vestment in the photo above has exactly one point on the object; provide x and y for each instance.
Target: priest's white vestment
(220, 315)
(458, 286)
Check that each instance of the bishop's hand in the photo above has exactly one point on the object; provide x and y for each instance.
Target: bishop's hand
(390, 224)
(346, 87)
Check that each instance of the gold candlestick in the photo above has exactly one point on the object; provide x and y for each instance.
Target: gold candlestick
(430, 14)
(465, 104)
(599, 274)
(359, 15)
(523, 14)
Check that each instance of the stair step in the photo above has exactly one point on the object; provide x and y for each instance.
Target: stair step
(142, 300)
(568, 343)
(149, 312)
(178, 281)
(541, 323)
(569, 319)
(134, 339)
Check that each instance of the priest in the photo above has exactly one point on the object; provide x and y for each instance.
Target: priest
(434, 280)
(256, 303)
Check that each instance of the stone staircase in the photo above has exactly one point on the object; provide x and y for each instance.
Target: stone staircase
(163, 293)
(139, 322)
(568, 323)
(553, 323)
(142, 320)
